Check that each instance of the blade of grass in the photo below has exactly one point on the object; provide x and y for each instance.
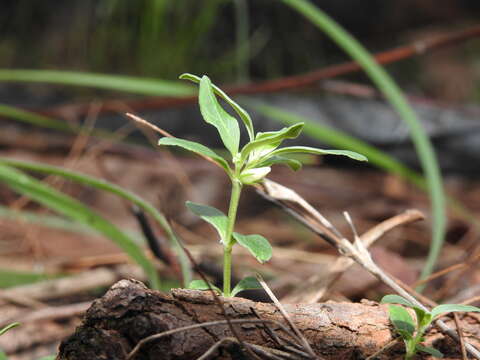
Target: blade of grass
(55, 222)
(49, 123)
(34, 119)
(116, 190)
(144, 86)
(394, 95)
(73, 209)
(51, 221)
(9, 278)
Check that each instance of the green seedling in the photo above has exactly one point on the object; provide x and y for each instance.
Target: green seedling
(412, 332)
(247, 165)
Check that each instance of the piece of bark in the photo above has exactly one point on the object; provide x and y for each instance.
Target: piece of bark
(129, 312)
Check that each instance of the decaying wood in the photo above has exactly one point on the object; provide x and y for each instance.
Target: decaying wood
(129, 312)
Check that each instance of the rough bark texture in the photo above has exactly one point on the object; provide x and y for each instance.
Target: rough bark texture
(129, 312)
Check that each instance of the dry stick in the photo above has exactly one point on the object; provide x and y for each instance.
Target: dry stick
(280, 340)
(354, 250)
(460, 336)
(214, 347)
(471, 300)
(51, 313)
(205, 324)
(472, 259)
(453, 280)
(177, 169)
(418, 47)
(440, 273)
(161, 131)
(322, 283)
(384, 348)
(269, 353)
(277, 303)
(468, 293)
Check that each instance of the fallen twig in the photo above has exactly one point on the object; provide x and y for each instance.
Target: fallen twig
(296, 206)
(418, 47)
(317, 285)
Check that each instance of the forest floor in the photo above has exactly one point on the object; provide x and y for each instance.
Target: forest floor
(50, 313)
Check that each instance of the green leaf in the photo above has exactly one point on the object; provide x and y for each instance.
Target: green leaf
(429, 350)
(50, 357)
(311, 150)
(3, 356)
(396, 299)
(238, 109)
(268, 141)
(291, 163)
(402, 320)
(73, 209)
(447, 308)
(8, 327)
(248, 283)
(258, 246)
(202, 285)
(196, 148)
(423, 318)
(251, 176)
(213, 216)
(215, 115)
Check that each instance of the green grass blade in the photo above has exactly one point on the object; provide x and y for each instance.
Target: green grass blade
(8, 327)
(73, 209)
(34, 119)
(130, 84)
(31, 118)
(116, 190)
(394, 95)
(51, 221)
(9, 278)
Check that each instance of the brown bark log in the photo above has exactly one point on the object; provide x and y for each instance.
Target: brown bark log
(129, 312)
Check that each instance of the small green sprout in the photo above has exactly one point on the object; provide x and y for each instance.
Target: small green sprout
(246, 166)
(412, 332)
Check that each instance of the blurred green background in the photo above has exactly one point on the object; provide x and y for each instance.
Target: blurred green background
(232, 40)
